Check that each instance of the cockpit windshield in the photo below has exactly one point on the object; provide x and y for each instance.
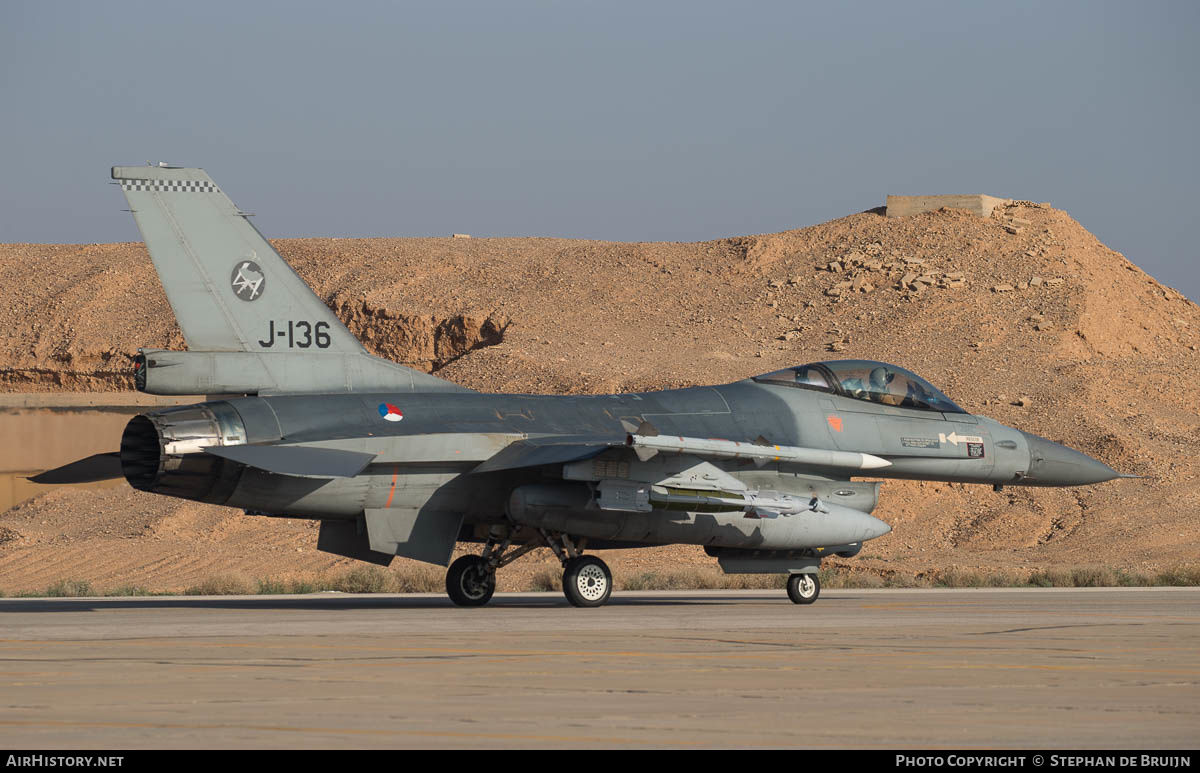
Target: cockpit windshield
(876, 382)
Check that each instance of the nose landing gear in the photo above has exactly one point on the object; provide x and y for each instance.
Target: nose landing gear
(803, 588)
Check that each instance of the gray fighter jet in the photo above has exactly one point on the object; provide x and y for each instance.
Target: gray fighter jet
(395, 462)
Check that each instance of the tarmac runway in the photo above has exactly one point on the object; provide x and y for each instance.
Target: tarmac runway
(1029, 668)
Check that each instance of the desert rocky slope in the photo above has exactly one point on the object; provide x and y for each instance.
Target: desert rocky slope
(1023, 316)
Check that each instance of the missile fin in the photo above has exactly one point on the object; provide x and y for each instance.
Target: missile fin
(644, 453)
(647, 429)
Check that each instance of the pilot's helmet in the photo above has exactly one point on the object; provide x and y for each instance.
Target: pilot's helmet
(880, 378)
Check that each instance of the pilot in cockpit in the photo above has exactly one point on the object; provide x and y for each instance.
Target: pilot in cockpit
(854, 387)
(880, 380)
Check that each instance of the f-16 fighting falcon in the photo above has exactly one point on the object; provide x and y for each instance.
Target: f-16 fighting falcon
(396, 462)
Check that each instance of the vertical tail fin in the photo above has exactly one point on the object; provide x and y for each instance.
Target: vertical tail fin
(231, 292)
(228, 287)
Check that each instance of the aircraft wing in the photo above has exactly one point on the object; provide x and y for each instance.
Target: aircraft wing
(552, 449)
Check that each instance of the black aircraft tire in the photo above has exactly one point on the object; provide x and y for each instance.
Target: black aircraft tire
(587, 582)
(803, 588)
(468, 582)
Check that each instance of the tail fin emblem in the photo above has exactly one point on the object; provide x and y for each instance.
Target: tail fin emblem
(247, 280)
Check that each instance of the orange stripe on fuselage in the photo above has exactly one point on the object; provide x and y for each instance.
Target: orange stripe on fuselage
(392, 490)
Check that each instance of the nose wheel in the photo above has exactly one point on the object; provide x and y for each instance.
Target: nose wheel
(803, 588)
(587, 582)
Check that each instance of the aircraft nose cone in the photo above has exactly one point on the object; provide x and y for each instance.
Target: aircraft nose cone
(1051, 464)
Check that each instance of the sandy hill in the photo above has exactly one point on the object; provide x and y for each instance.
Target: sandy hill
(1023, 316)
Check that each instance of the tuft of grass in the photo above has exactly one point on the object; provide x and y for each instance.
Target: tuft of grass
(406, 578)
(1130, 580)
(676, 580)
(1003, 580)
(70, 589)
(1049, 578)
(1084, 577)
(301, 587)
(269, 587)
(418, 578)
(128, 590)
(1094, 577)
(836, 577)
(695, 579)
(1185, 577)
(900, 580)
(362, 579)
(546, 580)
(957, 578)
(221, 585)
(754, 581)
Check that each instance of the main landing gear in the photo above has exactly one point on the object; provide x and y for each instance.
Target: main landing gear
(587, 582)
(471, 580)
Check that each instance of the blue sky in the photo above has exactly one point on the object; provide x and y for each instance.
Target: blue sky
(626, 121)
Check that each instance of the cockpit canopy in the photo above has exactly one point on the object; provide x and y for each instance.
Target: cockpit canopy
(876, 382)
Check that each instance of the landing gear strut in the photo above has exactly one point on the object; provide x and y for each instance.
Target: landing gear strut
(471, 580)
(586, 581)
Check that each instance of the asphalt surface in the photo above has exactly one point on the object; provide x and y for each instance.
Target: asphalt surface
(1030, 668)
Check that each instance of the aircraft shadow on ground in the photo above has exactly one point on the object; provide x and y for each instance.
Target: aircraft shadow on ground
(354, 602)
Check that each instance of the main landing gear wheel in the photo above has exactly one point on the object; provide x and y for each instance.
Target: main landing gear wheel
(470, 582)
(803, 588)
(587, 582)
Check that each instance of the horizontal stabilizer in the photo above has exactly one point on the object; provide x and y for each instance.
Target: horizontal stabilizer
(297, 460)
(535, 452)
(94, 468)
